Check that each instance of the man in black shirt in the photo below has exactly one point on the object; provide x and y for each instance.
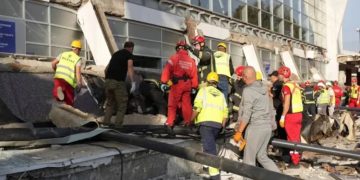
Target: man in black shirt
(275, 92)
(120, 65)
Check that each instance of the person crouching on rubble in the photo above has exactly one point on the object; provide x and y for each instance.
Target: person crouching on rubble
(291, 117)
(256, 112)
(211, 113)
(180, 76)
(67, 77)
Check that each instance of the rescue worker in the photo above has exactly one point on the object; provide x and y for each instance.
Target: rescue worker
(180, 74)
(211, 113)
(309, 100)
(235, 97)
(323, 99)
(256, 115)
(338, 94)
(354, 93)
(223, 67)
(67, 67)
(331, 92)
(275, 93)
(205, 55)
(120, 66)
(291, 117)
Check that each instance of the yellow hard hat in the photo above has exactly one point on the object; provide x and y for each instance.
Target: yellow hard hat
(212, 76)
(258, 75)
(222, 44)
(76, 44)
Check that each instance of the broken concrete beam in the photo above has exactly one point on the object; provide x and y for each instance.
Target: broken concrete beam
(111, 7)
(68, 3)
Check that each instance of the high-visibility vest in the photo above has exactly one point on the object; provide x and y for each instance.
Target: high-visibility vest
(213, 105)
(65, 69)
(296, 105)
(324, 97)
(222, 63)
(354, 92)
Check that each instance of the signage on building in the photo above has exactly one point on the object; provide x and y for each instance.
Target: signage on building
(7, 37)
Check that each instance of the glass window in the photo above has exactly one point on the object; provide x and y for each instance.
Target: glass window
(304, 69)
(136, 1)
(120, 42)
(235, 49)
(146, 32)
(304, 21)
(296, 5)
(253, 15)
(304, 34)
(61, 36)
(238, 10)
(311, 37)
(37, 33)
(37, 12)
(253, 3)
(221, 6)
(34, 49)
(63, 18)
(287, 13)
(146, 48)
(147, 62)
(266, 20)
(287, 28)
(288, 3)
(278, 24)
(152, 3)
(201, 3)
(296, 17)
(296, 31)
(11, 8)
(265, 5)
(117, 27)
(266, 58)
(237, 60)
(171, 37)
(167, 50)
(278, 8)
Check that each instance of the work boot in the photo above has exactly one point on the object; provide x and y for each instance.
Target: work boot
(60, 94)
(169, 130)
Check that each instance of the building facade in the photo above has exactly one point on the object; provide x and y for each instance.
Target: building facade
(41, 28)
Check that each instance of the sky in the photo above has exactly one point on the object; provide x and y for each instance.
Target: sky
(350, 23)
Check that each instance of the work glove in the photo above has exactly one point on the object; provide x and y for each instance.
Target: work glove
(282, 121)
(133, 87)
(238, 138)
(164, 87)
(193, 91)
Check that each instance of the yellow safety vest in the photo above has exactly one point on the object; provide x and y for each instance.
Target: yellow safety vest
(211, 105)
(324, 97)
(222, 63)
(296, 104)
(332, 100)
(65, 69)
(354, 92)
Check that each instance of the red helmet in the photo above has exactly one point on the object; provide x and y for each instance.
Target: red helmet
(307, 83)
(336, 83)
(239, 70)
(284, 71)
(180, 43)
(198, 39)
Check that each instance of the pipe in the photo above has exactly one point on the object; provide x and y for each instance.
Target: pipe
(314, 148)
(196, 156)
(354, 109)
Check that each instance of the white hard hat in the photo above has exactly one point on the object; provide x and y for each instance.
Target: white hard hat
(328, 83)
(321, 84)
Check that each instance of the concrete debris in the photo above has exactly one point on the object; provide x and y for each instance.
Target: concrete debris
(68, 3)
(110, 7)
(345, 170)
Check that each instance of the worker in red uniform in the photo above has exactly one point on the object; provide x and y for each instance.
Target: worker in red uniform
(338, 93)
(354, 93)
(291, 117)
(180, 75)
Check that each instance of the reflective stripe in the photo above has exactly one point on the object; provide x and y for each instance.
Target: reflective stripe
(213, 171)
(237, 95)
(152, 81)
(64, 74)
(206, 104)
(236, 108)
(65, 67)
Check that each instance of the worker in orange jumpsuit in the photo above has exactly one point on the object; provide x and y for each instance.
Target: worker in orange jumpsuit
(338, 93)
(291, 117)
(180, 75)
(354, 93)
